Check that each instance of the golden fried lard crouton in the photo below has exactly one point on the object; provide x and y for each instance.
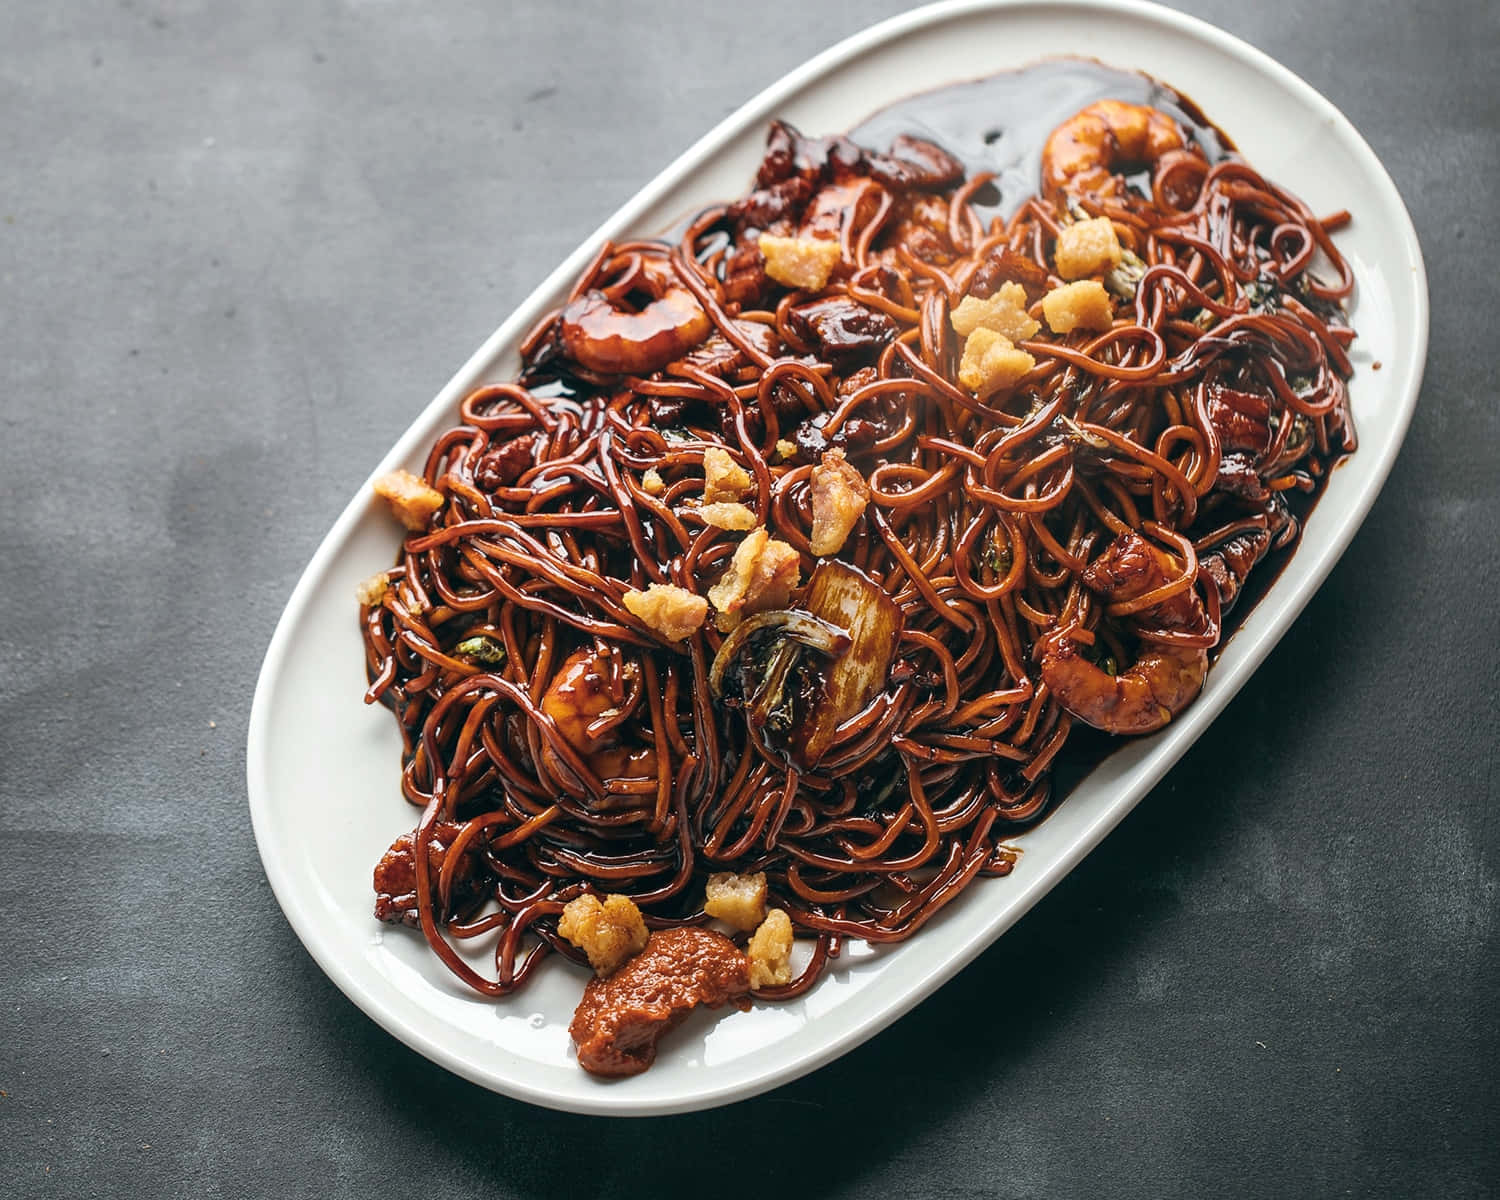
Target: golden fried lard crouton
(738, 900)
(608, 932)
(770, 951)
(991, 364)
(1004, 312)
(1087, 248)
(671, 611)
(761, 575)
(839, 496)
(799, 262)
(723, 478)
(1081, 305)
(409, 498)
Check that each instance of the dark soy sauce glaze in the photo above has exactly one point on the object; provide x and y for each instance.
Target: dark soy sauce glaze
(1000, 123)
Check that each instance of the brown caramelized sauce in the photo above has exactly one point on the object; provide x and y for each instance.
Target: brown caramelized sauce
(620, 1019)
(1000, 123)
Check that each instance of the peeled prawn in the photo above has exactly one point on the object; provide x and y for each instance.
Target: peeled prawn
(1083, 155)
(581, 701)
(597, 332)
(1163, 680)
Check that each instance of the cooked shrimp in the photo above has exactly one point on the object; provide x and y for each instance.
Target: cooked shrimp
(598, 333)
(587, 708)
(1163, 680)
(1084, 153)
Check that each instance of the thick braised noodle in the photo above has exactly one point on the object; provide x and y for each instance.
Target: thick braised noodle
(618, 664)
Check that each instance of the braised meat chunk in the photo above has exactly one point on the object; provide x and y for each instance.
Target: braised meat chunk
(620, 1019)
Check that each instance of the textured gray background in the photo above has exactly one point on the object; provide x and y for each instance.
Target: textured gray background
(242, 245)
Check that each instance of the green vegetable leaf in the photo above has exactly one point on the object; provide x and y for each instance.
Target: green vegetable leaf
(486, 649)
(1264, 295)
(997, 557)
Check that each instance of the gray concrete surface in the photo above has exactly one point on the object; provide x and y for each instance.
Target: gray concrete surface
(240, 245)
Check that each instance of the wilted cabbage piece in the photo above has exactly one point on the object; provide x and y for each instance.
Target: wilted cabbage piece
(800, 673)
(845, 598)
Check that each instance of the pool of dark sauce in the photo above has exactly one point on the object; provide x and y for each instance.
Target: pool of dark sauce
(1000, 123)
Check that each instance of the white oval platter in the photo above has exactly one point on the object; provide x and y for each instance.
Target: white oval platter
(322, 767)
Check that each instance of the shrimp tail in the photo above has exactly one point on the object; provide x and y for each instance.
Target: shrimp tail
(1087, 153)
(1165, 677)
(1161, 683)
